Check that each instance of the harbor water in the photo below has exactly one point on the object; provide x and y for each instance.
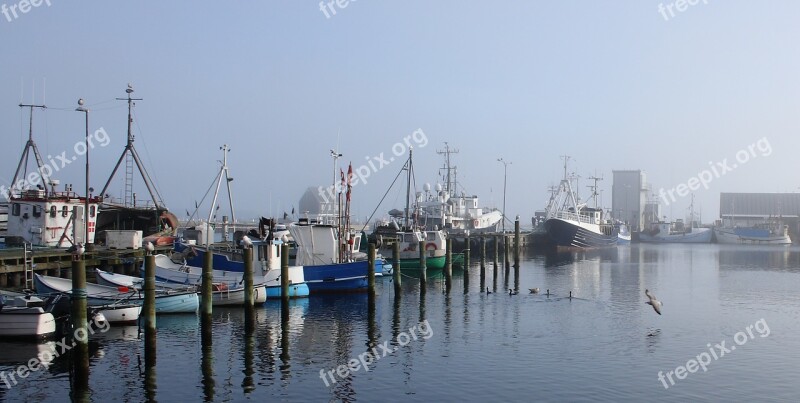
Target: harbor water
(603, 344)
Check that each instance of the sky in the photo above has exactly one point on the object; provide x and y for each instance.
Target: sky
(670, 88)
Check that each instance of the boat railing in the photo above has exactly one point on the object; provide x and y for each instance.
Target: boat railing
(566, 215)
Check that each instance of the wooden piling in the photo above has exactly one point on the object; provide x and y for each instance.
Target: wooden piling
(483, 262)
(149, 305)
(396, 267)
(371, 268)
(149, 313)
(466, 255)
(448, 267)
(506, 258)
(285, 274)
(423, 269)
(496, 250)
(249, 300)
(80, 327)
(516, 242)
(206, 288)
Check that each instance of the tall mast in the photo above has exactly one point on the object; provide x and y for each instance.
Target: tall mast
(450, 181)
(223, 171)
(594, 188)
(23, 161)
(129, 148)
(408, 187)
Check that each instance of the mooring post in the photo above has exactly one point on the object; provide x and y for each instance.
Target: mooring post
(371, 268)
(483, 263)
(249, 300)
(448, 255)
(206, 288)
(423, 266)
(149, 313)
(285, 275)
(506, 257)
(496, 250)
(483, 251)
(516, 242)
(466, 255)
(396, 267)
(80, 329)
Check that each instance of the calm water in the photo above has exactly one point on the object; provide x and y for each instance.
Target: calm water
(605, 344)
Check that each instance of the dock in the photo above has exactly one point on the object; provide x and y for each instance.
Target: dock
(57, 262)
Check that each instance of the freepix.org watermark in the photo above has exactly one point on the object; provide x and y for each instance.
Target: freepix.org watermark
(719, 350)
(422, 330)
(677, 5)
(15, 10)
(45, 357)
(329, 8)
(760, 148)
(56, 163)
(375, 164)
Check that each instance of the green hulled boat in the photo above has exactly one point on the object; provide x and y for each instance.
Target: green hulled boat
(432, 263)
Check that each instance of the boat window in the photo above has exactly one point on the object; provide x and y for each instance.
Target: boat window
(64, 211)
(37, 211)
(15, 209)
(53, 211)
(92, 211)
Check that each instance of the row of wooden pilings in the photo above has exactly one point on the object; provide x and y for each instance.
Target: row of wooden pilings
(80, 325)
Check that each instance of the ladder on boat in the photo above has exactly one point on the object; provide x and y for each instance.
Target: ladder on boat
(28, 264)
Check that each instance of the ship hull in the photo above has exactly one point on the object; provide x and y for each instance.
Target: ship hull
(570, 234)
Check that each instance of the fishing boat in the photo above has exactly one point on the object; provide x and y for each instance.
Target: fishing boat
(228, 263)
(409, 236)
(675, 232)
(451, 211)
(223, 294)
(326, 270)
(769, 233)
(25, 317)
(99, 296)
(572, 224)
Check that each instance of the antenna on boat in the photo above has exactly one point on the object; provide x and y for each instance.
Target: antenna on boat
(129, 148)
(223, 170)
(23, 161)
(450, 183)
(594, 188)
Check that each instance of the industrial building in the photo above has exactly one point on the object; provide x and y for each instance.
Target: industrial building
(629, 197)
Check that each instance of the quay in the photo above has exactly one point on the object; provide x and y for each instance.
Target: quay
(18, 264)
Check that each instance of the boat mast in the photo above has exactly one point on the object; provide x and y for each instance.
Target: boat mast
(451, 182)
(24, 159)
(594, 189)
(408, 187)
(228, 180)
(130, 149)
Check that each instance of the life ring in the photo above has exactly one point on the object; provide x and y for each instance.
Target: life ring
(430, 246)
(475, 224)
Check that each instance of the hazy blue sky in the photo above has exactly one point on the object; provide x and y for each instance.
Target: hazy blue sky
(612, 83)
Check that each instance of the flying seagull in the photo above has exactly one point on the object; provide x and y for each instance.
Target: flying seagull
(653, 301)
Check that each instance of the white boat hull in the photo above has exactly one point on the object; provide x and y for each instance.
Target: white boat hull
(122, 315)
(732, 236)
(698, 235)
(26, 322)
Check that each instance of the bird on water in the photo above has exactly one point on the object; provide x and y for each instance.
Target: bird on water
(487, 290)
(534, 290)
(655, 303)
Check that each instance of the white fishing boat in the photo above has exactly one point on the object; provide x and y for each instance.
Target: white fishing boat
(98, 295)
(450, 210)
(222, 294)
(665, 232)
(770, 233)
(25, 317)
(570, 223)
(121, 314)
